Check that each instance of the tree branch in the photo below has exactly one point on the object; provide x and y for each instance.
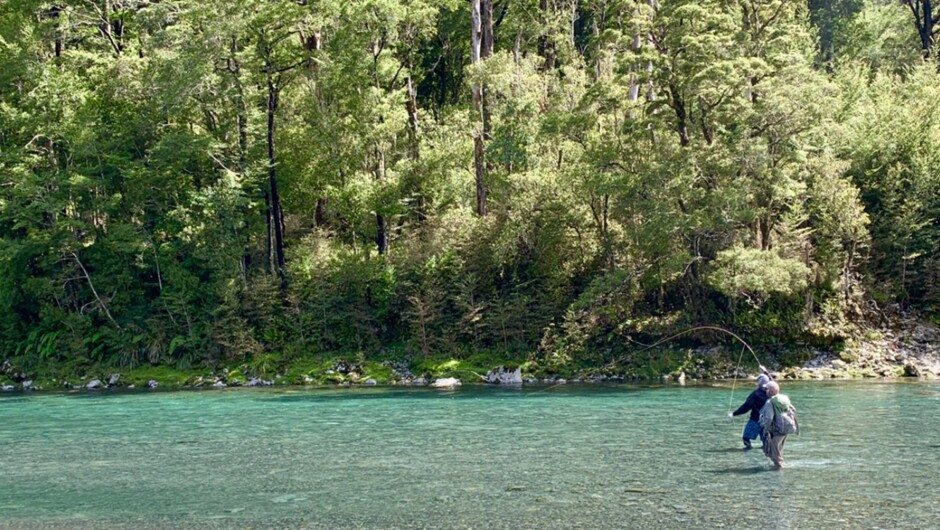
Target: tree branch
(94, 291)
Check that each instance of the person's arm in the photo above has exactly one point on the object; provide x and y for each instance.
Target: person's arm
(746, 407)
(763, 370)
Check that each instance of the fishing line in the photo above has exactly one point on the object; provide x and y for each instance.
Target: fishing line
(744, 345)
(697, 328)
(735, 380)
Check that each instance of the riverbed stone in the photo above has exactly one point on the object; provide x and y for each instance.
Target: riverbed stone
(446, 382)
(504, 376)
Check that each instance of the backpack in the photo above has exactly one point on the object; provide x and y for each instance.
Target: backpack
(779, 423)
(785, 423)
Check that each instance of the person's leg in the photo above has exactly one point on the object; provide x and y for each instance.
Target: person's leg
(776, 450)
(751, 431)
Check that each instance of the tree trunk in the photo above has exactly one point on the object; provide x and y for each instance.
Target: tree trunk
(276, 215)
(269, 232)
(320, 213)
(414, 147)
(925, 22)
(682, 126)
(54, 12)
(477, 50)
(486, 30)
(546, 48)
(381, 235)
(479, 163)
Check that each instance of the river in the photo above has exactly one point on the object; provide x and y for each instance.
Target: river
(541, 457)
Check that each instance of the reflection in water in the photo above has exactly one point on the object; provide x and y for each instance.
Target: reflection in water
(536, 457)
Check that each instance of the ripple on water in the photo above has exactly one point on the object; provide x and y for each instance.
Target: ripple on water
(576, 456)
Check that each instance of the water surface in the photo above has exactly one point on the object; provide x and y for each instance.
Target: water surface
(539, 457)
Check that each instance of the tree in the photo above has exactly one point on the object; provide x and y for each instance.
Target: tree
(926, 23)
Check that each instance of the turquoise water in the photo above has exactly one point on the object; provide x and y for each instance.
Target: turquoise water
(540, 457)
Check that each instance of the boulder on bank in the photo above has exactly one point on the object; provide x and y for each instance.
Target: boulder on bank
(504, 376)
(93, 384)
(446, 382)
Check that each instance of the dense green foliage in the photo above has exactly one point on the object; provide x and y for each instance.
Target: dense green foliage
(201, 182)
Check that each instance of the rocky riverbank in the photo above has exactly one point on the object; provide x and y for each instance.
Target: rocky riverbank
(906, 348)
(910, 348)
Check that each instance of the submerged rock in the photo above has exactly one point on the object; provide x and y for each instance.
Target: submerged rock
(504, 376)
(446, 382)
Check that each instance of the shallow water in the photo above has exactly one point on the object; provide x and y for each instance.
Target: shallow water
(539, 457)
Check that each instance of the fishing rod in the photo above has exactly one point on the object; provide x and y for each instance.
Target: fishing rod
(743, 342)
(744, 345)
(699, 328)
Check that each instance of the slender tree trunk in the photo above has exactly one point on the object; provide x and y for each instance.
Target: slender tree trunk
(241, 125)
(414, 147)
(320, 213)
(925, 22)
(276, 215)
(269, 232)
(54, 12)
(678, 106)
(381, 235)
(546, 48)
(486, 23)
(477, 50)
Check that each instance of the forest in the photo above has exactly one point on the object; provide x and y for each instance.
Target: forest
(209, 183)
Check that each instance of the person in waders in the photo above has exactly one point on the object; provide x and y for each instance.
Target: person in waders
(754, 402)
(777, 421)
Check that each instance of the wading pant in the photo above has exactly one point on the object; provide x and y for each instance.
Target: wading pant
(773, 448)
